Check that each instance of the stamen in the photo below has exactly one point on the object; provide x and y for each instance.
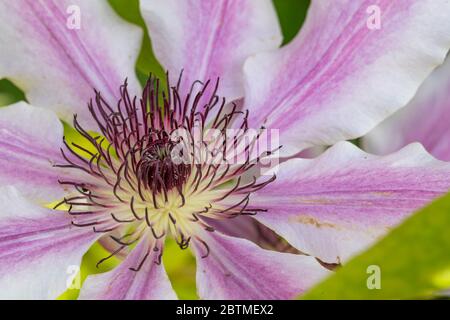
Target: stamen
(205, 245)
(141, 263)
(110, 256)
(136, 181)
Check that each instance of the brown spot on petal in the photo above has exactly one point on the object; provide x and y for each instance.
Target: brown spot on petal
(330, 266)
(382, 193)
(312, 221)
(317, 201)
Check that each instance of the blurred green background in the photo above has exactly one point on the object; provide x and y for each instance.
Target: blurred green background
(180, 264)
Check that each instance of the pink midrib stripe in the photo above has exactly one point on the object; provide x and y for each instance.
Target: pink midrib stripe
(61, 47)
(214, 35)
(314, 78)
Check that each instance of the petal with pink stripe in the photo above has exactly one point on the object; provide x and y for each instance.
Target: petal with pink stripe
(30, 141)
(335, 205)
(39, 248)
(341, 75)
(210, 39)
(147, 281)
(59, 51)
(238, 269)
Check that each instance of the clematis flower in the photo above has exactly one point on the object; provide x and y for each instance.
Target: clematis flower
(335, 81)
(422, 120)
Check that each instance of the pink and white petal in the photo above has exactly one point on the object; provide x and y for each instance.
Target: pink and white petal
(210, 39)
(333, 206)
(57, 64)
(38, 247)
(340, 77)
(424, 119)
(30, 141)
(311, 152)
(238, 269)
(248, 228)
(149, 283)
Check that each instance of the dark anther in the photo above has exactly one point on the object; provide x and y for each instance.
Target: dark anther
(104, 230)
(133, 210)
(89, 224)
(59, 204)
(158, 260)
(172, 219)
(155, 235)
(141, 263)
(121, 242)
(156, 169)
(184, 243)
(204, 245)
(110, 256)
(121, 220)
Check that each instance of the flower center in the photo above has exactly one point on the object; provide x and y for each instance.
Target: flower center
(156, 168)
(165, 164)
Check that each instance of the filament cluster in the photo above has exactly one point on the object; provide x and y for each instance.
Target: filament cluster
(162, 163)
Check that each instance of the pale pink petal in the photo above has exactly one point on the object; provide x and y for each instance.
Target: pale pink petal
(57, 65)
(210, 39)
(149, 283)
(30, 141)
(311, 152)
(239, 269)
(39, 249)
(424, 119)
(339, 203)
(340, 77)
(248, 228)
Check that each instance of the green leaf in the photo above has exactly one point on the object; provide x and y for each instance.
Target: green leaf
(291, 14)
(9, 93)
(181, 269)
(414, 261)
